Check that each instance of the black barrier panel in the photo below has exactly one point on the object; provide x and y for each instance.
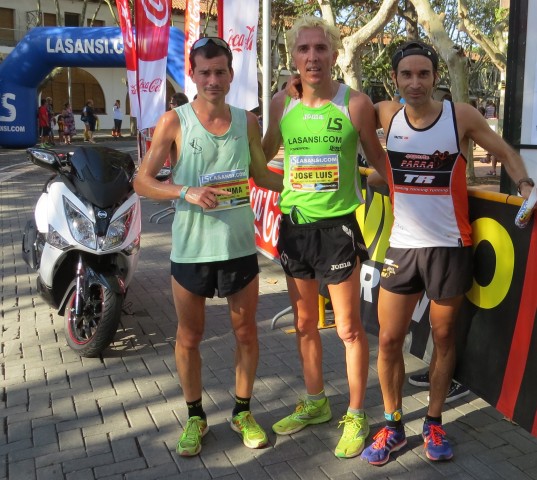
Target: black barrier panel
(497, 339)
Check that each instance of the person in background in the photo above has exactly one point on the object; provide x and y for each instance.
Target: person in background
(177, 99)
(43, 123)
(210, 141)
(91, 120)
(59, 122)
(118, 120)
(69, 129)
(320, 243)
(52, 121)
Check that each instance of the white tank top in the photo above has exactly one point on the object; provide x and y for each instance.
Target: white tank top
(427, 178)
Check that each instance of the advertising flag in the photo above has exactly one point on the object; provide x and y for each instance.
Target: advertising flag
(152, 36)
(129, 47)
(192, 33)
(241, 18)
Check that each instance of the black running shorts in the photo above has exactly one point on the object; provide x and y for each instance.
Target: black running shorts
(443, 272)
(226, 277)
(325, 250)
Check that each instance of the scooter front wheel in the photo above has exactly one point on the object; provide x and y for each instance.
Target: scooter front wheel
(91, 332)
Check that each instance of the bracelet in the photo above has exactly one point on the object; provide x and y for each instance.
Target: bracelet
(183, 192)
(527, 180)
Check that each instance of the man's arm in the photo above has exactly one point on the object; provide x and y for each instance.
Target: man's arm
(168, 131)
(472, 125)
(273, 138)
(263, 177)
(364, 119)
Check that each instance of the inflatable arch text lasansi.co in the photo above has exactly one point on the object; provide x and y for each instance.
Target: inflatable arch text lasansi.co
(45, 48)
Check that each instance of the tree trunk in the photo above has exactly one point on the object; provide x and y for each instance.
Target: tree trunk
(455, 59)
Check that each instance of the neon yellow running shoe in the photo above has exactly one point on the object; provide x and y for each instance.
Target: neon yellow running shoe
(253, 436)
(307, 412)
(189, 443)
(355, 432)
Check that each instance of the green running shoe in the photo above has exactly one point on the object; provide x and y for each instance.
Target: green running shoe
(355, 432)
(253, 436)
(189, 443)
(307, 412)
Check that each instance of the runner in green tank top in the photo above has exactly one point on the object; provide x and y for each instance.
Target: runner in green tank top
(320, 244)
(214, 148)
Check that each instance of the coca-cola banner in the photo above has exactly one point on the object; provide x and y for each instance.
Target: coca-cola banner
(192, 33)
(267, 215)
(241, 18)
(152, 35)
(130, 53)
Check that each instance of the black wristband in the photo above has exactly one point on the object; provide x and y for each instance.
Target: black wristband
(527, 180)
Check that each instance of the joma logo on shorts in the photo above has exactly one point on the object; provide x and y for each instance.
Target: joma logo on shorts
(340, 266)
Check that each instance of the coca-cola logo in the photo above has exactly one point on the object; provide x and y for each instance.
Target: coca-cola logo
(156, 11)
(267, 216)
(239, 41)
(147, 87)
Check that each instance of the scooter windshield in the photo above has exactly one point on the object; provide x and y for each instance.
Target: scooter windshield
(102, 175)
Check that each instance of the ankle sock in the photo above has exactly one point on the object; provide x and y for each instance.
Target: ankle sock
(241, 405)
(195, 409)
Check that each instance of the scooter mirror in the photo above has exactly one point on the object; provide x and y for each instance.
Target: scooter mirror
(44, 158)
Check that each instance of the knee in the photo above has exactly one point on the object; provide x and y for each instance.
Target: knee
(390, 344)
(246, 334)
(351, 334)
(443, 337)
(306, 326)
(188, 339)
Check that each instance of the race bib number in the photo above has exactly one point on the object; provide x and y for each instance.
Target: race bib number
(314, 173)
(235, 182)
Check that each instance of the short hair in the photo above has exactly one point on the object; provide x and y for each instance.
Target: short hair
(178, 99)
(309, 21)
(415, 47)
(210, 49)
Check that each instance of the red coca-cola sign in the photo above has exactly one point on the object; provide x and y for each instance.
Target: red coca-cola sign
(150, 87)
(267, 218)
(152, 29)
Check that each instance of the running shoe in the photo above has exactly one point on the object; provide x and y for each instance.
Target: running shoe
(189, 443)
(355, 431)
(307, 412)
(420, 379)
(436, 444)
(253, 436)
(456, 390)
(386, 441)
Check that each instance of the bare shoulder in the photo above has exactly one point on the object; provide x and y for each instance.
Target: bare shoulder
(468, 117)
(386, 110)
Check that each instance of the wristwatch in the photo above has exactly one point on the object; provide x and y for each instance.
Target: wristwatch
(527, 180)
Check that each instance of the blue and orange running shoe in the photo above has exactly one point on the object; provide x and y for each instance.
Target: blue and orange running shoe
(386, 441)
(436, 444)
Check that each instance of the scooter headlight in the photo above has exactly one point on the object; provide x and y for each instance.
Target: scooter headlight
(81, 227)
(119, 229)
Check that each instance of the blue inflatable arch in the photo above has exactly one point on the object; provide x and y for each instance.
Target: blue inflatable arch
(45, 48)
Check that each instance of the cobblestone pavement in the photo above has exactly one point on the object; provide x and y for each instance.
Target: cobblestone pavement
(119, 416)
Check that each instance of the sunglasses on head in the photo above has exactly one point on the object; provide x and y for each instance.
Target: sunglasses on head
(201, 42)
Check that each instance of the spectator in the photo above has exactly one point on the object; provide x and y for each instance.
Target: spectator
(118, 120)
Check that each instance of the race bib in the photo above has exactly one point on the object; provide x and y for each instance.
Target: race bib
(234, 181)
(314, 173)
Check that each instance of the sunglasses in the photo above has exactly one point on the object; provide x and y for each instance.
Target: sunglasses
(201, 42)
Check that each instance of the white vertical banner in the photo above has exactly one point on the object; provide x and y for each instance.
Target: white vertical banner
(192, 33)
(241, 18)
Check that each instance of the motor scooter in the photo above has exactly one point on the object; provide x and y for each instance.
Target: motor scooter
(84, 241)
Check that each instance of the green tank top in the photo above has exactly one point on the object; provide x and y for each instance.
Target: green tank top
(221, 161)
(321, 175)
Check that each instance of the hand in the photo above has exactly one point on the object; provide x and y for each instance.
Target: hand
(205, 197)
(294, 86)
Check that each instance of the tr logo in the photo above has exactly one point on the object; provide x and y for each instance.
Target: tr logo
(428, 179)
